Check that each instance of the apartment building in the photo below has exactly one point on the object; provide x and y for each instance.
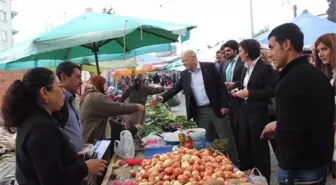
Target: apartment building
(6, 31)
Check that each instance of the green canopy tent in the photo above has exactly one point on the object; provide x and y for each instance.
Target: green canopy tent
(95, 33)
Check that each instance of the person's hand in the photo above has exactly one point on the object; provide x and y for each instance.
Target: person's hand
(229, 85)
(140, 107)
(138, 126)
(234, 92)
(224, 111)
(243, 93)
(95, 166)
(269, 130)
(155, 101)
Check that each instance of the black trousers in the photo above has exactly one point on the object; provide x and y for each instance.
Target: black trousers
(234, 117)
(272, 117)
(253, 151)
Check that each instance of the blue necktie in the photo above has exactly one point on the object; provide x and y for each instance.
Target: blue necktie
(229, 71)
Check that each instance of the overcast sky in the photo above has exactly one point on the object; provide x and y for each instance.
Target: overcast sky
(216, 19)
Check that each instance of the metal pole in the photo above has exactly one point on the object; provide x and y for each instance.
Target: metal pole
(251, 16)
(295, 10)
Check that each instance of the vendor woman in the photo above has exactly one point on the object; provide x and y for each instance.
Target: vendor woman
(137, 93)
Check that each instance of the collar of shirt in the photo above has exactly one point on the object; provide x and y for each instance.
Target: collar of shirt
(253, 63)
(234, 59)
(198, 68)
(68, 95)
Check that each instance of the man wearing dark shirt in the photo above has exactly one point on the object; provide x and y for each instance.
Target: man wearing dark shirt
(305, 110)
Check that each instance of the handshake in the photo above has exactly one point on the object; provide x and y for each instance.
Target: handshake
(155, 101)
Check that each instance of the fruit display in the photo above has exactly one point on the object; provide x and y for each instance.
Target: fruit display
(185, 166)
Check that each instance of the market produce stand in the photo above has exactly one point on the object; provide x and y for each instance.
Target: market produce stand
(224, 169)
(120, 174)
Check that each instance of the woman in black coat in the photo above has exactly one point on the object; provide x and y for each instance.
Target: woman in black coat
(255, 92)
(44, 154)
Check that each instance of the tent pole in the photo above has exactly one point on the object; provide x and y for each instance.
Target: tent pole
(95, 51)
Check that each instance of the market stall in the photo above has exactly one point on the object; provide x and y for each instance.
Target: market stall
(181, 166)
(174, 152)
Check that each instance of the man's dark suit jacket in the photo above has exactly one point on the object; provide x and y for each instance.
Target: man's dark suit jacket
(213, 83)
(236, 72)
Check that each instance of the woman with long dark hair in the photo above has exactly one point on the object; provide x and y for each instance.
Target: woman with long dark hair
(138, 93)
(44, 154)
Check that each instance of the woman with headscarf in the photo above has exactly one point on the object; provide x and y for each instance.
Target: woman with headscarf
(138, 93)
(96, 108)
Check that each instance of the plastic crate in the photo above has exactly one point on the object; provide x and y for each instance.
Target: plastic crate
(151, 151)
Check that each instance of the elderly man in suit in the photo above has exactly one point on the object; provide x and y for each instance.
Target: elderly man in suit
(207, 99)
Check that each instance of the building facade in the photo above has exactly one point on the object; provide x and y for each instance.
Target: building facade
(6, 31)
(6, 41)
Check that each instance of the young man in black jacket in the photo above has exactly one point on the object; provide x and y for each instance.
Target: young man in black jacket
(305, 111)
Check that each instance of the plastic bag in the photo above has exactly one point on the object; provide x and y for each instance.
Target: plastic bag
(125, 147)
(153, 139)
(258, 179)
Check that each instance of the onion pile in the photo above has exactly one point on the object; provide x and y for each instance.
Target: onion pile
(187, 167)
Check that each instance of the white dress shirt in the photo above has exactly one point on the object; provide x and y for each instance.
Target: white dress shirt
(198, 88)
(249, 72)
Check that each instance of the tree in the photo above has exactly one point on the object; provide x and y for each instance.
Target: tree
(111, 10)
(264, 30)
(331, 10)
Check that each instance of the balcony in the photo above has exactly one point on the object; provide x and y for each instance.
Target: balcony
(14, 13)
(14, 32)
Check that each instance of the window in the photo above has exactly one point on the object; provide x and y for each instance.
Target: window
(3, 35)
(3, 16)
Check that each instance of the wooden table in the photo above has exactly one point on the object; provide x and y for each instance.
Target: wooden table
(122, 174)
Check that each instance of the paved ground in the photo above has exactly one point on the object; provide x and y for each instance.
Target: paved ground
(7, 167)
(181, 110)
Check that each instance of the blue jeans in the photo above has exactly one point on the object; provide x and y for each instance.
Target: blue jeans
(303, 177)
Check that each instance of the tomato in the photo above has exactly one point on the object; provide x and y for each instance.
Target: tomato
(169, 171)
(166, 177)
(145, 175)
(133, 173)
(195, 172)
(209, 168)
(244, 179)
(176, 164)
(119, 162)
(159, 183)
(219, 174)
(178, 171)
(187, 173)
(183, 179)
(172, 177)
(197, 178)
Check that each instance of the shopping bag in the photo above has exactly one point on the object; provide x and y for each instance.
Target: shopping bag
(258, 179)
(125, 147)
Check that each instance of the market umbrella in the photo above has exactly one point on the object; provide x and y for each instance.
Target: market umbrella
(52, 63)
(95, 33)
(311, 26)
